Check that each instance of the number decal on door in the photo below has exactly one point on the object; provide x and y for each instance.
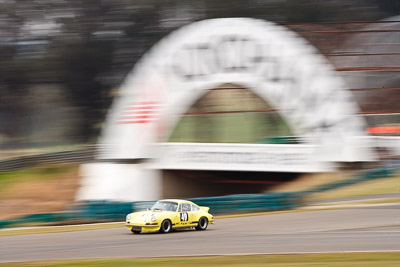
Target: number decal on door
(184, 217)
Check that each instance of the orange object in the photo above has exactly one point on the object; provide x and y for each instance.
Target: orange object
(389, 129)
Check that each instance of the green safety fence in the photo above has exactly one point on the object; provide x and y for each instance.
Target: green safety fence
(39, 218)
(279, 140)
(230, 204)
(101, 210)
(250, 202)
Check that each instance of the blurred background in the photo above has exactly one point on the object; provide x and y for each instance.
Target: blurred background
(62, 62)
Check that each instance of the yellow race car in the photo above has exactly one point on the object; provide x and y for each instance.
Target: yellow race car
(168, 214)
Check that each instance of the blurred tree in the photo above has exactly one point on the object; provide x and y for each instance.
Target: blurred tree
(82, 65)
(391, 7)
(13, 88)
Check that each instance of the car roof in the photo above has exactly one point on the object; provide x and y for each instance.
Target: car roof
(177, 200)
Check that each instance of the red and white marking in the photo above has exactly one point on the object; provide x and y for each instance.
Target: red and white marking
(141, 112)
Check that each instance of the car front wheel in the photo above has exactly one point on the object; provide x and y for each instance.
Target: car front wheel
(203, 223)
(166, 226)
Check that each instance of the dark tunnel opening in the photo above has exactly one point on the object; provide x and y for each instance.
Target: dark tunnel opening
(193, 183)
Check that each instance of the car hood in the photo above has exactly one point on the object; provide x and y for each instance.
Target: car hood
(145, 216)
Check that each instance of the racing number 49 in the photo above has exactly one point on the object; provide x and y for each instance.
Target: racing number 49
(184, 217)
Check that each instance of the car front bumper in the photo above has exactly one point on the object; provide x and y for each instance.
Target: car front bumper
(142, 227)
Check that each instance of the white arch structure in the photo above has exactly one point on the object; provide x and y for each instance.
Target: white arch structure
(273, 62)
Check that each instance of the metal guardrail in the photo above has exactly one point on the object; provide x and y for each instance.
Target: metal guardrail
(76, 156)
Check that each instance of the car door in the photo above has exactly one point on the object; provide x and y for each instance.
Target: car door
(185, 214)
(175, 217)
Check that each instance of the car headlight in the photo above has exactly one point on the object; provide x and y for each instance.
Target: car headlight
(128, 216)
(153, 218)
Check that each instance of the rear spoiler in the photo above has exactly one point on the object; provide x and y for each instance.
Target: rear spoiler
(206, 209)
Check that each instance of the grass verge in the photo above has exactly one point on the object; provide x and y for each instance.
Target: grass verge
(366, 202)
(59, 229)
(382, 259)
(374, 187)
(38, 173)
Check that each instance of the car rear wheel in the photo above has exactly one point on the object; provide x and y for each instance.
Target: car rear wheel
(203, 223)
(166, 226)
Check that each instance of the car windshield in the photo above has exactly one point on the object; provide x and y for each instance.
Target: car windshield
(165, 205)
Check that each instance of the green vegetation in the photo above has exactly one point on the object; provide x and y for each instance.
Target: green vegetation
(230, 116)
(46, 188)
(375, 187)
(30, 151)
(238, 128)
(295, 260)
(41, 172)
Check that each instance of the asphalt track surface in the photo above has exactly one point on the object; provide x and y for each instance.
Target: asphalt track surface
(341, 230)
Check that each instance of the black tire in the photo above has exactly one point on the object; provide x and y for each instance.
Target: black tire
(136, 232)
(202, 225)
(166, 226)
